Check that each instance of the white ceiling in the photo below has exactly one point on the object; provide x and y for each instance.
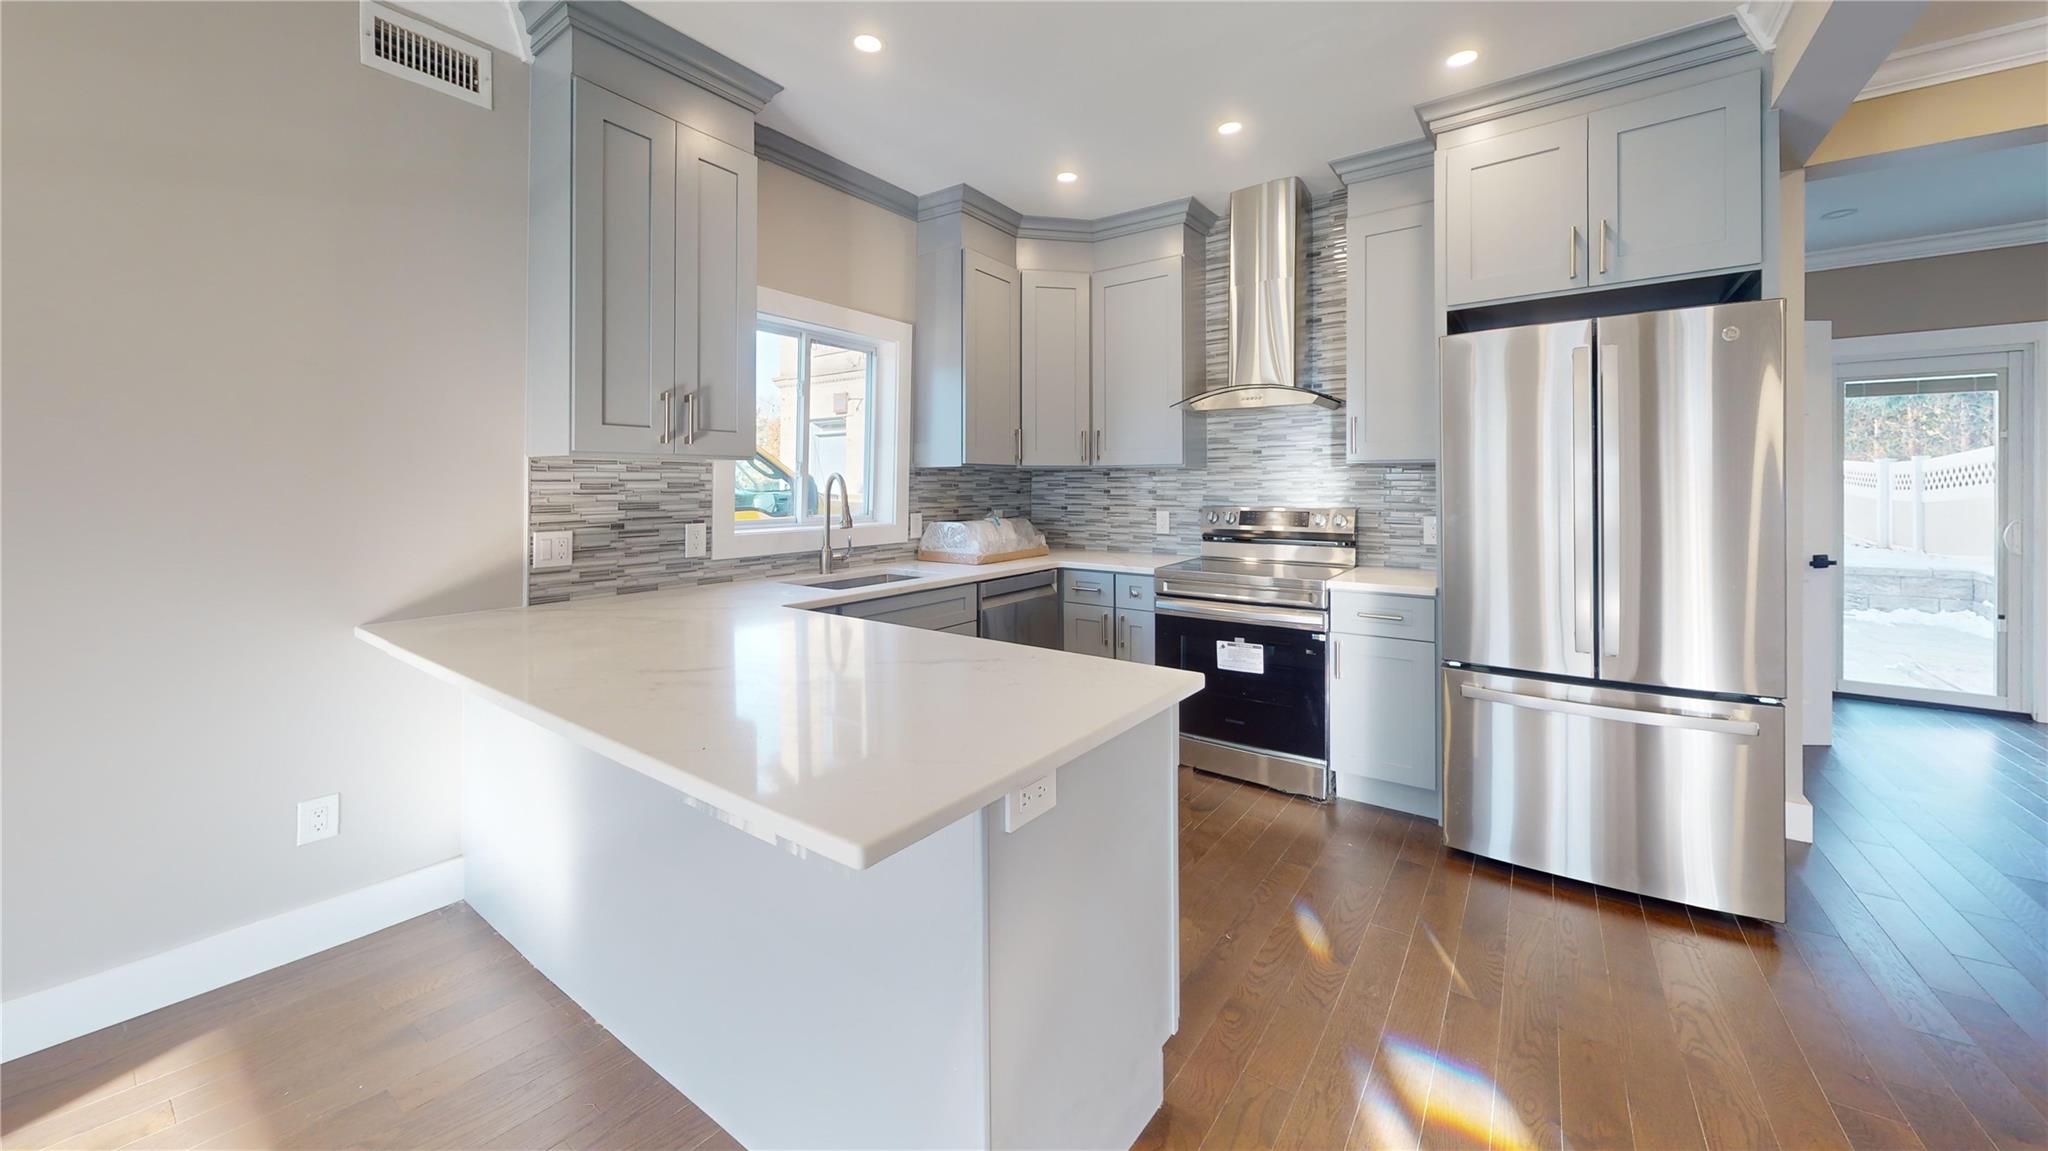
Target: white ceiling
(1944, 193)
(1003, 95)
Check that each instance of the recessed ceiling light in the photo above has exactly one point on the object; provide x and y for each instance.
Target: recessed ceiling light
(867, 43)
(1460, 59)
(1066, 177)
(1229, 128)
(1840, 213)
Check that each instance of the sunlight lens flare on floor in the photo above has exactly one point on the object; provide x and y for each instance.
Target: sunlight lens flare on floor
(1310, 927)
(1423, 1090)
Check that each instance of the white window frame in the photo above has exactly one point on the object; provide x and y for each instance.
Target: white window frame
(888, 520)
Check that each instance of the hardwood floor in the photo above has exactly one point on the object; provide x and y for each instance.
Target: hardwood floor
(1346, 982)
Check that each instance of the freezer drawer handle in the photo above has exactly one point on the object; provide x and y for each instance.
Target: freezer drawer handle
(1389, 616)
(1618, 714)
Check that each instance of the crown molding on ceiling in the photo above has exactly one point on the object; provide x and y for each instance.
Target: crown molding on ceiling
(970, 201)
(1763, 20)
(1921, 247)
(1977, 54)
(1185, 213)
(831, 171)
(632, 31)
(1388, 161)
(1704, 43)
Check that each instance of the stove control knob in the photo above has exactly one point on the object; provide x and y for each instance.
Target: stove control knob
(1339, 522)
(1316, 520)
(1212, 517)
(1230, 517)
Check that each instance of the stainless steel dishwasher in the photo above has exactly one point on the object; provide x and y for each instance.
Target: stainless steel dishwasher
(1022, 609)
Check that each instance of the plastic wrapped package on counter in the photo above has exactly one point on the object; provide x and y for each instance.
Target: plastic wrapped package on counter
(981, 541)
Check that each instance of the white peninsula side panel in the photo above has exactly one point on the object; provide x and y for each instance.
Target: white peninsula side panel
(926, 1001)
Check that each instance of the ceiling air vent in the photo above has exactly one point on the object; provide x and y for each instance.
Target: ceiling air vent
(396, 43)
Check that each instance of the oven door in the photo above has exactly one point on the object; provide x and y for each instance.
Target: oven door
(1263, 670)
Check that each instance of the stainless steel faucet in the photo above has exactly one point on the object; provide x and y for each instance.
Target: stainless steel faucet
(845, 522)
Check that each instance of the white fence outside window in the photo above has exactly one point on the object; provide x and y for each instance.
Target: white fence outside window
(1942, 505)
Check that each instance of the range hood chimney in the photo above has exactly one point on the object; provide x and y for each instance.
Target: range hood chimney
(1268, 302)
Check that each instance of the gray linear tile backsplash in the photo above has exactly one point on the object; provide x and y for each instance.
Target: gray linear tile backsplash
(629, 515)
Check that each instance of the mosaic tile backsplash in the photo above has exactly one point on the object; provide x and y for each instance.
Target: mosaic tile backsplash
(628, 515)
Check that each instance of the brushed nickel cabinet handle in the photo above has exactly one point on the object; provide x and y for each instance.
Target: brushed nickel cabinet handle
(1020, 445)
(1084, 445)
(1572, 255)
(1389, 616)
(1603, 247)
(668, 414)
(1098, 445)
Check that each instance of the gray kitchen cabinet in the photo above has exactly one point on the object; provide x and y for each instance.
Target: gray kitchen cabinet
(938, 609)
(1390, 389)
(1145, 343)
(1515, 214)
(1676, 182)
(660, 346)
(1089, 630)
(715, 297)
(1087, 587)
(1134, 635)
(1056, 411)
(966, 361)
(1383, 710)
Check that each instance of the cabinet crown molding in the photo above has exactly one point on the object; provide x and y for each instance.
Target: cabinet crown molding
(635, 32)
(1187, 212)
(1389, 161)
(1704, 43)
(969, 200)
(831, 171)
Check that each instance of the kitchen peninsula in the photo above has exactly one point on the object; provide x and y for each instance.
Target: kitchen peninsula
(877, 961)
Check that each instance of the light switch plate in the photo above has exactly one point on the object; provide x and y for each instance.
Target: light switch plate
(1164, 524)
(552, 550)
(1429, 530)
(696, 541)
(917, 525)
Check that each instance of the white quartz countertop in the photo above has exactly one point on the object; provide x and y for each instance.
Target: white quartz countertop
(845, 737)
(1387, 581)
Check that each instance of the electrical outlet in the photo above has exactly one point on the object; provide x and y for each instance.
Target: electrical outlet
(1428, 530)
(1163, 522)
(696, 541)
(917, 525)
(319, 819)
(552, 550)
(1029, 802)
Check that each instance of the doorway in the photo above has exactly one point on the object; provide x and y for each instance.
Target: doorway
(1932, 485)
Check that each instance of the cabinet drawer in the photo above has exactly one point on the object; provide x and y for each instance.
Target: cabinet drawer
(933, 610)
(1393, 616)
(1088, 587)
(1133, 593)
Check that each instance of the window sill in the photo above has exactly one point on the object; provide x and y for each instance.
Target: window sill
(789, 540)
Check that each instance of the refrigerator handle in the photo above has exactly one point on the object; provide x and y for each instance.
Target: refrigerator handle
(1580, 496)
(1610, 499)
(1608, 712)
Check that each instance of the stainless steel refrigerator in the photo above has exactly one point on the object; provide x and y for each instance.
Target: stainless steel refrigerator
(1613, 601)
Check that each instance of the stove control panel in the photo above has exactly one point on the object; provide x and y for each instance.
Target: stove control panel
(1279, 523)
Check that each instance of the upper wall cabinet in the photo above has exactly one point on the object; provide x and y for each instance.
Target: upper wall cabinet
(966, 361)
(641, 293)
(1142, 357)
(1603, 180)
(1390, 378)
(1058, 425)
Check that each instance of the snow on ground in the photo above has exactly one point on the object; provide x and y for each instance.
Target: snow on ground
(1967, 622)
(1863, 555)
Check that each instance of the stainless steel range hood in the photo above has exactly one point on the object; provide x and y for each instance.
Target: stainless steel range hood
(1268, 302)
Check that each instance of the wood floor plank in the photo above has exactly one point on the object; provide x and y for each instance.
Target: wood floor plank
(1663, 1112)
(1867, 1132)
(1730, 1109)
(1592, 1046)
(1839, 1066)
(1461, 1092)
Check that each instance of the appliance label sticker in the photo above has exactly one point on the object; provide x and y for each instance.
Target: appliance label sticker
(1237, 655)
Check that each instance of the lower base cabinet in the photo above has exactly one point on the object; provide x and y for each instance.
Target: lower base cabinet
(1089, 630)
(1134, 635)
(1383, 730)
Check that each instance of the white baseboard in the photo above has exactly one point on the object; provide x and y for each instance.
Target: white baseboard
(1798, 821)
(45, 1018)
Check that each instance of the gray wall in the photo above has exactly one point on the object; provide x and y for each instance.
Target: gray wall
(629, 516)
(1967, 290)
(263, 349)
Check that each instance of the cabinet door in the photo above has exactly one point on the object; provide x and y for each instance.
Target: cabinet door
(1676, 182)
(715, 236)
(1089, 629)
(1137, 365)
(1390, 374)
(1134, 636)
(989, 360)
(624, 198)
(1055, 385)
(1383, 709)
(1515, 214)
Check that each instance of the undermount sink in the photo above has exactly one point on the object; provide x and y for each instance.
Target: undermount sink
(865, 579)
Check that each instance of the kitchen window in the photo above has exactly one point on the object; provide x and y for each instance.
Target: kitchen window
(830, 396)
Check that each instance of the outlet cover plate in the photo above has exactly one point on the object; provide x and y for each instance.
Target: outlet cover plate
(1164, 522)
(319, 819)
(553, 550)
(1030, 801)
(696, 540)
(1429, 531)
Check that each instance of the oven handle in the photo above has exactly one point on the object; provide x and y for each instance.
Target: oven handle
(1294, 618)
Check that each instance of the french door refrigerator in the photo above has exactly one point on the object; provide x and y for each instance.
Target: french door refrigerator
(1613, 601)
